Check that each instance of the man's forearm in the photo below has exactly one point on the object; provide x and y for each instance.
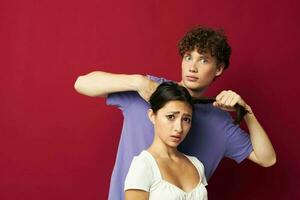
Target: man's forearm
(100, 83)
(263, 149)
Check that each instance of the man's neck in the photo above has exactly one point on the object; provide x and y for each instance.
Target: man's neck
(194, 93)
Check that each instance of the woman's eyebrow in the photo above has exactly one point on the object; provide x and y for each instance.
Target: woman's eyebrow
(173, 112)
(177, 112)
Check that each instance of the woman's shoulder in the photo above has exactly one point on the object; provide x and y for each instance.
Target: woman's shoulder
(143, 156)
(140, 175)
(142, 161)
(195, 161)
(200, 167)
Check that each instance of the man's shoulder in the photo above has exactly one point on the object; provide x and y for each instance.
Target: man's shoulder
(210, 110)
(157, 79)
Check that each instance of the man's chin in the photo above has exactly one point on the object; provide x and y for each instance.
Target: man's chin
(193, 86)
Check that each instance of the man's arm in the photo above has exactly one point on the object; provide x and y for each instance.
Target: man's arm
(263, 152)
(100, 84)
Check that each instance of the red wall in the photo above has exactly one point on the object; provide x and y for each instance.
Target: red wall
(57, 144)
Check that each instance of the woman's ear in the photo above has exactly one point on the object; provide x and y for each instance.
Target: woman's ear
(151, 116)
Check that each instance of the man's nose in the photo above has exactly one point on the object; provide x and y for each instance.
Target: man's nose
(193, 68)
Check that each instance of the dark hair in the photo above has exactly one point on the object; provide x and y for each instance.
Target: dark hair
(169, 91)
(206, 40)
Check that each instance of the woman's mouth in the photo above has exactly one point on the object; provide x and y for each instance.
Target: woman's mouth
(176, 138)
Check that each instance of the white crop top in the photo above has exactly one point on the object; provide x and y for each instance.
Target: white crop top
(144, 175)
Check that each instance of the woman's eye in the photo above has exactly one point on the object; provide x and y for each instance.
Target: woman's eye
(170, 117)
(188, 120)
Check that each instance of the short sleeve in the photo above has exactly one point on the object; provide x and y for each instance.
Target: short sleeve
(238, 143)
(204, 181)
(201, 169)
(121, 99)
(139, 176)
(157, 79)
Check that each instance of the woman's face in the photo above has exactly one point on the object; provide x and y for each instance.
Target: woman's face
(172, 122)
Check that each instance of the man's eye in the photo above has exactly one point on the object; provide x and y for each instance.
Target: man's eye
(203, 61)
(170, 117)
(187, 57)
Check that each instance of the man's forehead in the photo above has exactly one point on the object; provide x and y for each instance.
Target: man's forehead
(201, 52)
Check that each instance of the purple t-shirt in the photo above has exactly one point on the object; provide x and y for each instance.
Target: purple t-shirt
(211, 137)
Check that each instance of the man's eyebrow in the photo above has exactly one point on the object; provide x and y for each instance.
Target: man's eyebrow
(201, 55)
(204, 56)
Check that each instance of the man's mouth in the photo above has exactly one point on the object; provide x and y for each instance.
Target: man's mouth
(191, 78)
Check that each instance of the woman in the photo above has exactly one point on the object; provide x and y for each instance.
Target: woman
(161, 171)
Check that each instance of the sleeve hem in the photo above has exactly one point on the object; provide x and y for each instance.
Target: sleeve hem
(135, 188)
(246, 155)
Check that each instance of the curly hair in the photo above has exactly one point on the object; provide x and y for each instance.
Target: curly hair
(206, 40)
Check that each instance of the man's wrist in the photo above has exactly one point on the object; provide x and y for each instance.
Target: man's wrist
(248, 109)
(249, 112)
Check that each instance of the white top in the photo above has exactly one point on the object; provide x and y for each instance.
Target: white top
(144, 175)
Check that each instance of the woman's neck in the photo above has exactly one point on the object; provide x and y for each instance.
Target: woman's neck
(161, 150)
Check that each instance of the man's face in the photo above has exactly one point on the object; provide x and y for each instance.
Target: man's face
(199, 70)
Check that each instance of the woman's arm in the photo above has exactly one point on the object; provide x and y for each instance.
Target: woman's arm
(100, 84)
(136, 195)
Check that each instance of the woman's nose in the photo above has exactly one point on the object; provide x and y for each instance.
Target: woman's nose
(178, 126)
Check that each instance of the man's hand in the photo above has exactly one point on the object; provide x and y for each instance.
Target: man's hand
(146, 87)
(227, 99)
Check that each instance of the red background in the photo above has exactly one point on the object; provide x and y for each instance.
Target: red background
(57, 144)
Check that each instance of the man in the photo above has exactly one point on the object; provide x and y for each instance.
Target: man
(205, 55)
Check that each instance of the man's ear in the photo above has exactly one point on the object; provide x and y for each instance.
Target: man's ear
(220, 69)
(151, 116)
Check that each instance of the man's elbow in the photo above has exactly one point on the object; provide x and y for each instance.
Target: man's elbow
(78, 84)
(81, 86)
(269, 163)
